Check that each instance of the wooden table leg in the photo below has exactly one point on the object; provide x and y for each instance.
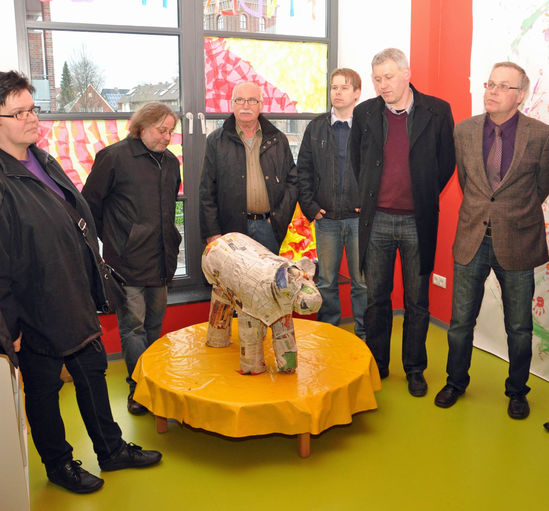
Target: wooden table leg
(304, 444)
(161, 424)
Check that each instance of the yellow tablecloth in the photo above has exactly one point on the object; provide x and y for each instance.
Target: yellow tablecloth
(179, 377)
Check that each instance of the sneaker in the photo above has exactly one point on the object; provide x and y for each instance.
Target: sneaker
(71, 476)
(130, 456)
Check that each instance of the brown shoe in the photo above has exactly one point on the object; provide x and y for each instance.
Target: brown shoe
(134, 407)
(447, 397)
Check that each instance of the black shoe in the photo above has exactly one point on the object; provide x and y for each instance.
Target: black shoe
(417, 386)
(134, 407)
(546, 426)
(447, 397)
(73, 477)
(518, 407)
(130, 456)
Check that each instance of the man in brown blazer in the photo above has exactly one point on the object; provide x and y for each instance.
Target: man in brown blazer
(503, 169)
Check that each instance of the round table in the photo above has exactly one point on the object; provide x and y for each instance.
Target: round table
(179, 377)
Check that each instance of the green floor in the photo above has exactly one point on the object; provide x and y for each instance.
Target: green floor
(407, 455)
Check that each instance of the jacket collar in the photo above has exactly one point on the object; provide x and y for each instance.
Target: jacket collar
(16, 168)
(421, 112)
(137, 147)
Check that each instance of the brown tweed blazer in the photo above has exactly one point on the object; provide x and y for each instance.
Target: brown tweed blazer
(515, 208)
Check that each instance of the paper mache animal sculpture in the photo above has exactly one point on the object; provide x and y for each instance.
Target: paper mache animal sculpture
(264, 289)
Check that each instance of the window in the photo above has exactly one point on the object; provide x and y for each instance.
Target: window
(94, 62)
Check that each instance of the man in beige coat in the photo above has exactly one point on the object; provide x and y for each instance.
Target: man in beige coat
(503, 169)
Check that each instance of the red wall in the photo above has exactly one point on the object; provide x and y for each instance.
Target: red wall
(440, 57)
(177, 316)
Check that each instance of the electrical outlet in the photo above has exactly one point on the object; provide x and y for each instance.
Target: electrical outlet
(439, 280)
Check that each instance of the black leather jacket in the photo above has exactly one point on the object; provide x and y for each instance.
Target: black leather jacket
(132, 199)
(223, 183)
(318, 174)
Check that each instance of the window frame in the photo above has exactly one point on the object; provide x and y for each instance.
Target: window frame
(191, 33)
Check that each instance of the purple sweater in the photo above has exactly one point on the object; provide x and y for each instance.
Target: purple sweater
(395, 193)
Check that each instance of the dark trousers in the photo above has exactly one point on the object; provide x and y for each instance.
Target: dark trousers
(389, 233)
(517, 291)
(42, 385)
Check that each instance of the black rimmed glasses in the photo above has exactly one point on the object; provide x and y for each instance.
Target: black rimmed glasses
(250, 101)
(503, 87)
(23, 115)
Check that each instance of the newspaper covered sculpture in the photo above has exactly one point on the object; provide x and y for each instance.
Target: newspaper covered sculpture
(264, 289)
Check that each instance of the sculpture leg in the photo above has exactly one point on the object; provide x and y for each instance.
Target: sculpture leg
(221, 314)
(284, 345)
(251, 333)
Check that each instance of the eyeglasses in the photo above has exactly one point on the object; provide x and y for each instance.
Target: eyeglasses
(163, 130)
(503, 87)
(24, 114)
(250, 101)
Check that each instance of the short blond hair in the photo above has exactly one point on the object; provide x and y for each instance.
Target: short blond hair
(394, 54)
(350, 75)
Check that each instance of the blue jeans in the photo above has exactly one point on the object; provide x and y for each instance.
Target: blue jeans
(389, 233)
(517, 291)
(42, 385)
(331, 237)
(262, 232)
(140, 322)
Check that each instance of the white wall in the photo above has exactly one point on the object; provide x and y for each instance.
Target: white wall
(8, 42)
(366, 28)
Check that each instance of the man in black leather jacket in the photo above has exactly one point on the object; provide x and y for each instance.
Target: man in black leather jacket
(132, 190)
(249, 180)
(328, 194)
(47, 282)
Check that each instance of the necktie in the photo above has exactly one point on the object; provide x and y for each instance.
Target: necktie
(493, 163)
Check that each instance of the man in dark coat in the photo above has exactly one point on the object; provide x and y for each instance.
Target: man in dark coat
(132, 190)
(48, 279)
(402, 151)
(249, 179)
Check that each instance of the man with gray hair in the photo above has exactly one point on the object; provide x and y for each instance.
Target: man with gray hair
(402, 152)
(132, 190)
(503, 170)
(249, 179)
